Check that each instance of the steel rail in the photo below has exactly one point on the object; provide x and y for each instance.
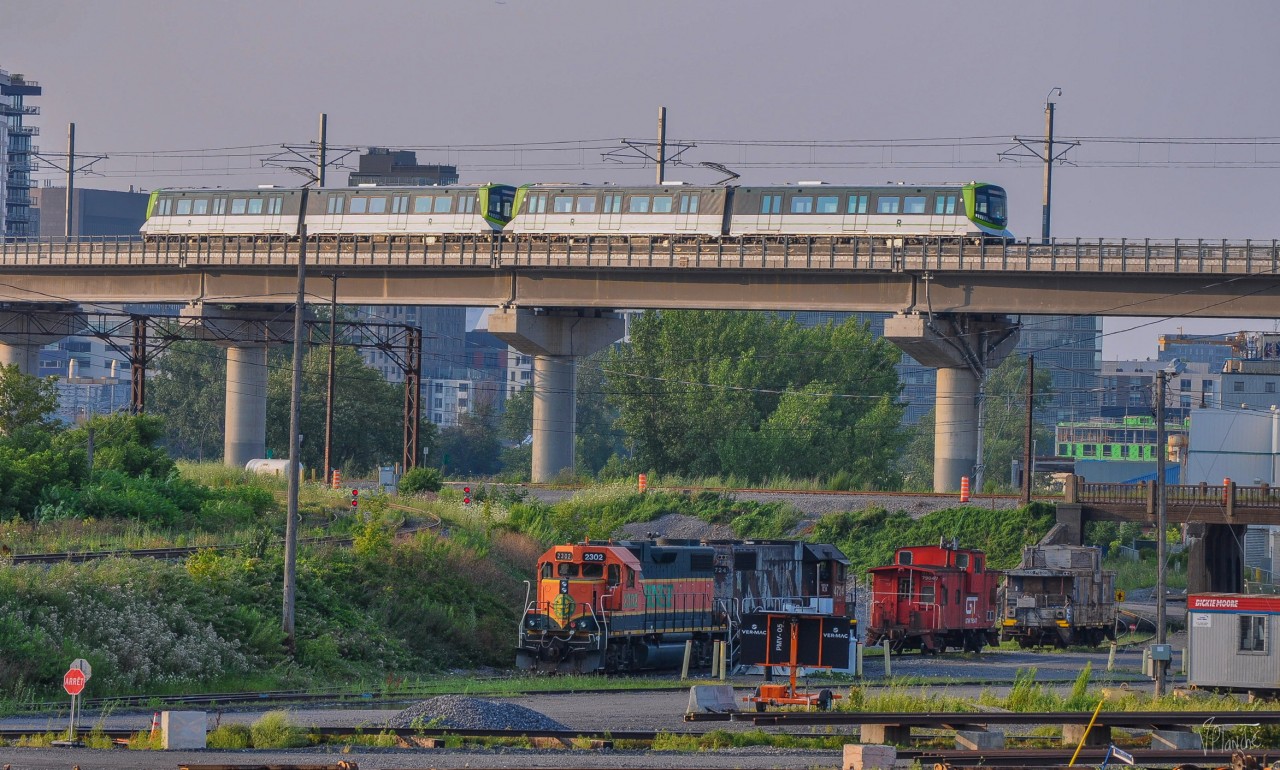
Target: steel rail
(940, 719)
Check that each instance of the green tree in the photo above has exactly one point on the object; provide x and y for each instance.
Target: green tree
(472, 445)
(1005, 427)
(126, 443)
(756, 394)
(26, 402)
(368, 424)
(188, 391)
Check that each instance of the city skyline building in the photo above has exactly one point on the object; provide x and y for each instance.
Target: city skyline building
(18, 219)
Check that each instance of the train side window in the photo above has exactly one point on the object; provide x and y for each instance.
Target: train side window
(359, 205)
(962, 560)
(904, 557)
(422, 204)
(613, 204)
(586, 204)
(335, 204)
(771, 204)
(378, 205)
(904, 588)
(546, 569)
(614, 575)
(1253, 633)
(662, 204)
(163, 207)
(255, 205)
(943, 596)
(631, 578)
(184, 206)
(926, 593)
(688, 204)
(568, 570)
(562, 204)
(913, 204)
(400, 204)
(592, 570)
(219, 206)
(275, 204)
(944, 204)
(857, 204)
(467, 204)
(802, 204)
(200, 206)
(639, 204)
(828, 204)
(238, 205)
(957, 596)
(888, 204)
(444, 204)
(977, 564)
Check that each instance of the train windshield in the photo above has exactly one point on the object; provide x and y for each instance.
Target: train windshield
(989, 205)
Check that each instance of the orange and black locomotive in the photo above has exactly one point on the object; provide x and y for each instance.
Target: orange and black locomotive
(633, 605)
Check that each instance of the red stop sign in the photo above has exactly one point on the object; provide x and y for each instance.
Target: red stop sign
(73, 681)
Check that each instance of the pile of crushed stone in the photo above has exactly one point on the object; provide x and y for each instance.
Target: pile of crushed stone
(677, 526)
(463, 713)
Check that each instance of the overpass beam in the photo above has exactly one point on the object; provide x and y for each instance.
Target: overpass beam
(555, 338)
(246, 332)
(27, 327)
(963, 348)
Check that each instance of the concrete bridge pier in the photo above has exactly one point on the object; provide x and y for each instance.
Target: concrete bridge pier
(246, 332)
(1215, 558)
(25, 327)
(555, 338)
(963, 348)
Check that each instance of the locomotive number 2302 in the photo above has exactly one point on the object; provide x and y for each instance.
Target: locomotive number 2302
(593, 557)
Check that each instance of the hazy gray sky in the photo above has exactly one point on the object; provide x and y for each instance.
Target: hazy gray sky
(145, 76)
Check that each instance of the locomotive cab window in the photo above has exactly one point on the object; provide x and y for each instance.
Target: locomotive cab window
(1253, 633)
(615, 575)
(547, 572)
(593, 570)
(631, 578)
(568, 570)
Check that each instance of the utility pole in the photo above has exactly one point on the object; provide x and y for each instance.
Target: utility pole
(1028, 457)
(980, 467)
(662, 145)
(295, 450)
(328, 409)
(1048, 164)
(1161, 526)
(69, 231)
(320, 163)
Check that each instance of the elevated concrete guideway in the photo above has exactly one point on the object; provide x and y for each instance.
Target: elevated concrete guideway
(1190, 278)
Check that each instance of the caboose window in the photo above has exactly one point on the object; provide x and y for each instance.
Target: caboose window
(562, 204)
(1253, 633)
(639, 204)
(335, 204)
(586, 204)
(802, 204)
(926, 593)
(378, 205)
(593, 570)
(662, 204)
(962, 560)
(913, 204)
(568, 570)
(904, 557)
(422, 204)
(184, 206)
(887, 205)
(857, 204)
(200, 206)
(238, 205)
(828, 204)
(977, 564)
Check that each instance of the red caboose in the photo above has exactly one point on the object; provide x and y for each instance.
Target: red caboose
(933, 597)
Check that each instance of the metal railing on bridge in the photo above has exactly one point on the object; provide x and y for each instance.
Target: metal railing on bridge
(1227, 497)
(829, 252)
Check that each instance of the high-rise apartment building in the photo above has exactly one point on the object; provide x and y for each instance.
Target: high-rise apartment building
(18, 219)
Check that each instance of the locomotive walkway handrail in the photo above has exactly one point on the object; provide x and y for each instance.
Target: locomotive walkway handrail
(817, 252)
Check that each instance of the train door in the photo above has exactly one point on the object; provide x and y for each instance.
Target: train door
(687, 211)
(535, 205)
(399, 212)
(943, 217)
(334, 209)
(770, 219)
(274, 210)
(611, 212)
(855, 214)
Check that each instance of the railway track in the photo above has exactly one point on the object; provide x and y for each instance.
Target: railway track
(1133, 719)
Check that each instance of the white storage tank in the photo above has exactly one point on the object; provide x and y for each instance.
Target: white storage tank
(268, 467)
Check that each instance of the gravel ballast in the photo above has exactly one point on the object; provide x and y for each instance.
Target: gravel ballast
(464, 713)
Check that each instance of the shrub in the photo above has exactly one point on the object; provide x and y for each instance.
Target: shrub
(417, 480)
(273, 731)
(230, 737)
